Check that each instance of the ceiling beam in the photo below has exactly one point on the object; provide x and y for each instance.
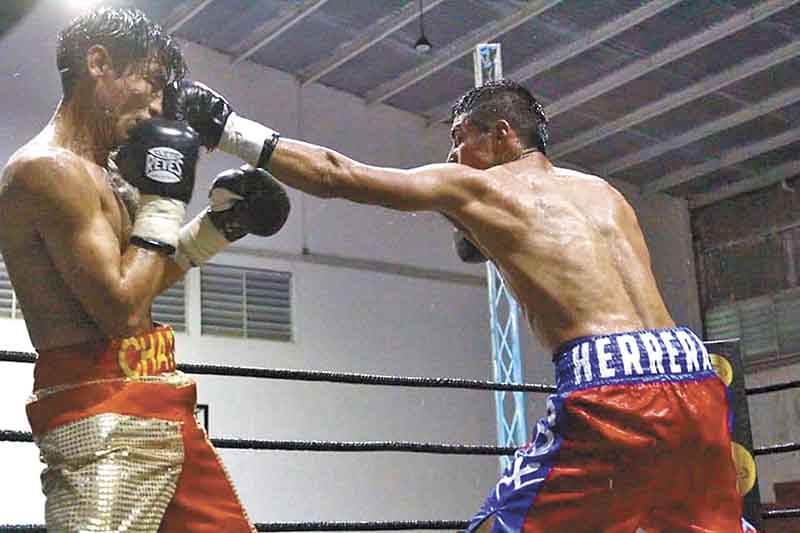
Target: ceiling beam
(771, 104)
(673, 52)
(592, 39)
(578, 46)
(457, 49)
(183, 13)
(673, 100)
(727, 159)
(274, 28)
(775, 175)
(367, 38)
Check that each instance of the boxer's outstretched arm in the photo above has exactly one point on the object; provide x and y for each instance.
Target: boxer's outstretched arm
(323, 172)
(115, 289)
(314, 169)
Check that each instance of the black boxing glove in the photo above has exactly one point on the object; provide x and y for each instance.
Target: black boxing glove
(212, 116)
(159, 159)
(467, 252)
(244, 200)
(248, 200)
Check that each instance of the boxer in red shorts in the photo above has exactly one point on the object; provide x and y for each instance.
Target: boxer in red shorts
(89, 241)
(636, 438)
(624, 447)
(122, 447)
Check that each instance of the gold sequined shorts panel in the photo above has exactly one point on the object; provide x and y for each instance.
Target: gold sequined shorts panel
(110, 472)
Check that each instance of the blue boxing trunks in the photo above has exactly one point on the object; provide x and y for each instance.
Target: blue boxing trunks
(636, 439)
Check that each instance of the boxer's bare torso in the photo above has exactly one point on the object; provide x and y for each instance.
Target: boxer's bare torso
(568, 243)
(53, 314)
(570, 247)
(65, 221)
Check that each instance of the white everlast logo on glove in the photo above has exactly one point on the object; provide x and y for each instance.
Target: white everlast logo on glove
(164, 164)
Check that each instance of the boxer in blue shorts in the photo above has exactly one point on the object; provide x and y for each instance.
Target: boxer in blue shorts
(637, 436)
(638, 424)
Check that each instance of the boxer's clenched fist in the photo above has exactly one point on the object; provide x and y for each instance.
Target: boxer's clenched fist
(241, 201)
(212, 116)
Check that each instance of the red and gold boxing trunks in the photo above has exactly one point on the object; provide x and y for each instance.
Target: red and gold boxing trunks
(114, 422)
(636, 439)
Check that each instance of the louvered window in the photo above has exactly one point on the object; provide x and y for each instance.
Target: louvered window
(787, 311)
(9, 307)
(723, 323)
(170, 307)
(757, 320)
(768, 327)
(246, 303)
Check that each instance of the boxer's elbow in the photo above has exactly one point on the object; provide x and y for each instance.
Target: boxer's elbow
(138, 323)
(133, 326)
(122, 326)
(125, 317)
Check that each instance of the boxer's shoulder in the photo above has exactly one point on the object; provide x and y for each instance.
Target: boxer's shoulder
(41, 180)
(45, 171)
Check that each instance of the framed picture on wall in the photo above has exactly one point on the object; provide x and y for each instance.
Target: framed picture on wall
(201, 414)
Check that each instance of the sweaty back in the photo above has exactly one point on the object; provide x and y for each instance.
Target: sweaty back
(570, 247)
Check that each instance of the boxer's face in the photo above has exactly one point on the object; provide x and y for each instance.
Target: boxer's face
(128, 97)
(471, 146)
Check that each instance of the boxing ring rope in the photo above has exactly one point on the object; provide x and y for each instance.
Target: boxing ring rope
(372, 446)
(375, 446)
(329, 377)
(368, 379)
(772, 388)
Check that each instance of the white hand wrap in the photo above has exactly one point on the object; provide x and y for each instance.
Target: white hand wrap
(245, 138)
(199, 241)
(158, 220)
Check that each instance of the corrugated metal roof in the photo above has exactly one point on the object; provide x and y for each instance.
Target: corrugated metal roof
(703, 68)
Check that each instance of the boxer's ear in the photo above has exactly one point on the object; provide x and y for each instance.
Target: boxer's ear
(98, 61)
(502, 128)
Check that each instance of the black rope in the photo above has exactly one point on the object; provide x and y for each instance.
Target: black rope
(369, 379)
(373, 446)
(330, 377)
(15, 436)
(325, 446)
(17, 357)
(781, 513)
(364, 526)
(778, 448)
(772, 388)
(361, 379)
(772, 514)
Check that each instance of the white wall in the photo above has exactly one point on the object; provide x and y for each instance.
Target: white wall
(347, 318)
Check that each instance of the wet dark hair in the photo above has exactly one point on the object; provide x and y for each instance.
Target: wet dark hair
(506, 100)
(127, 34)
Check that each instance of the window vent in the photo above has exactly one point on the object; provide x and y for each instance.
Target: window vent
(723, 323)
(759, 334)
(170, 307)
(768, 326)
(9, 307)
(787, 310)
(246, 303)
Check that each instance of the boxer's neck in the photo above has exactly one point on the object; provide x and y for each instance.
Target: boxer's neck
(83, 129)
(527, 152)
(532, 156)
